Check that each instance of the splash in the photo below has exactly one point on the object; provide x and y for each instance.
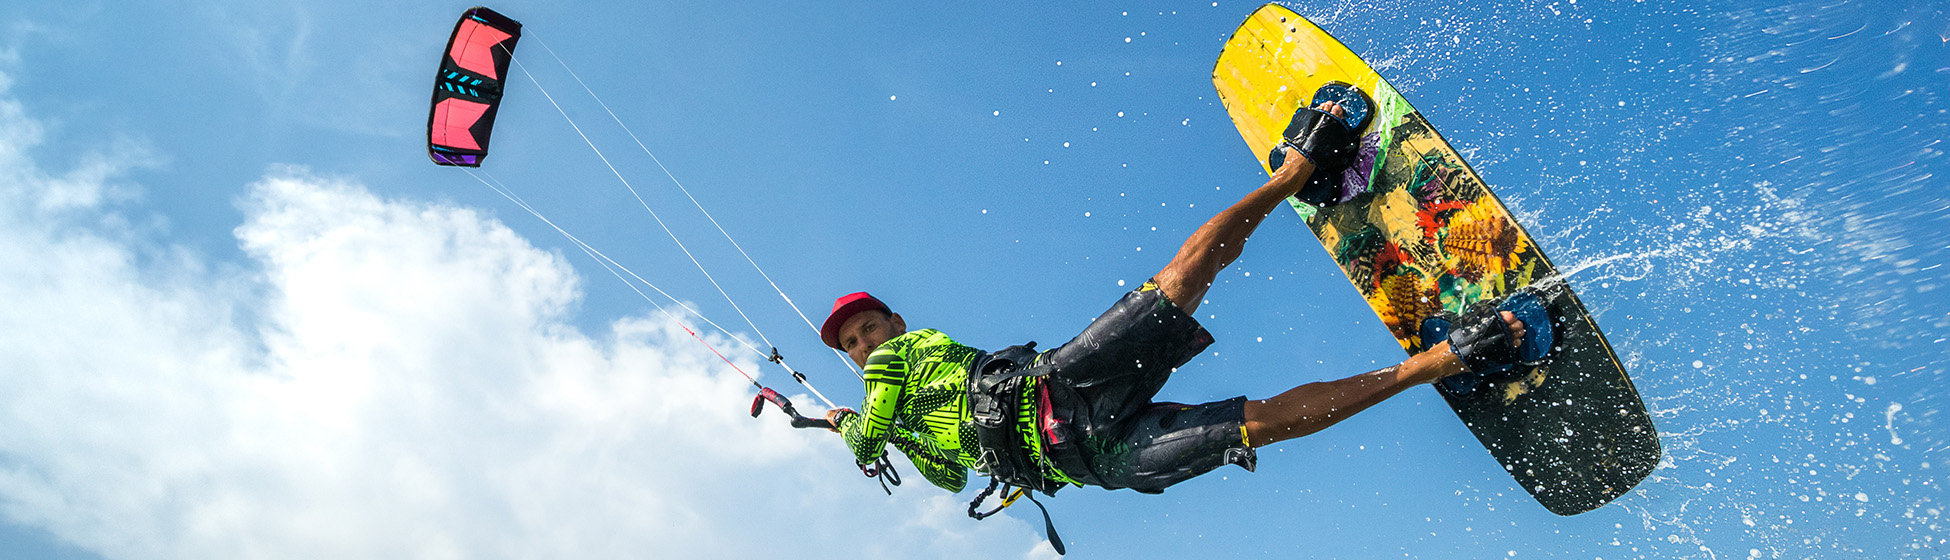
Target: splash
(1750, 203)
(1889, 422)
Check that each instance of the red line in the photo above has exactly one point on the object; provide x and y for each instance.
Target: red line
(714, 350)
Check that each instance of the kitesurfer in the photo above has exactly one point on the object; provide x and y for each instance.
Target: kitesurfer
(1082, 413)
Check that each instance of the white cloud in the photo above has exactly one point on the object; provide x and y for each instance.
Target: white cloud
(387, 379)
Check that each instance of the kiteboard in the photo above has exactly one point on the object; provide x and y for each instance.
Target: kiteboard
(1418, 233)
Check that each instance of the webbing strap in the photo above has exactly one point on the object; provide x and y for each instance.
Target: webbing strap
(1049, 526)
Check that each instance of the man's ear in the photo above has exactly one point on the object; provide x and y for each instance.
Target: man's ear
(900, 325)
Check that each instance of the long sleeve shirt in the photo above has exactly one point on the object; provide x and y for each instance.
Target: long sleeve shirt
(917, 401)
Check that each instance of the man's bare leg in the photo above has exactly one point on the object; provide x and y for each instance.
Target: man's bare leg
(1315, 406)
(1217, 243)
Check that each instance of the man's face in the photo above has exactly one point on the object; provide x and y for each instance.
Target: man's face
(864, 331)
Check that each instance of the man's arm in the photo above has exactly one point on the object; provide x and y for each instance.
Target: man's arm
(867, 432)
(933, 463)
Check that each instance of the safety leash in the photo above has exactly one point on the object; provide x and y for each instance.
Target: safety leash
(1049, 527)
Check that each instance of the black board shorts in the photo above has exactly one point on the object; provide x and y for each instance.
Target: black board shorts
(1103, 428)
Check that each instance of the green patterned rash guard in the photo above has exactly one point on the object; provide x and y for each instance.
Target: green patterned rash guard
(917, 400)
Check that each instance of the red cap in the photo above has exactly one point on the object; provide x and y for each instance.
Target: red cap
(845, 308)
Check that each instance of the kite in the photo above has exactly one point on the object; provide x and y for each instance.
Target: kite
(468, 89)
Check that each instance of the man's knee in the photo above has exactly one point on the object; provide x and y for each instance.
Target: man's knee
(1185, 288)
(1171, 283)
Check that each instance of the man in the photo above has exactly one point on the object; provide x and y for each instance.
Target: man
(1082, 413)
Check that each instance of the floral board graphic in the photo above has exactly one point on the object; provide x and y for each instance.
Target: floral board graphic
(1426, 235)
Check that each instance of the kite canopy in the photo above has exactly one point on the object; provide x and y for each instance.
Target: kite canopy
(467, 91)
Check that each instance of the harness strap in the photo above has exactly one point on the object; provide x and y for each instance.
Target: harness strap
(1049, 526)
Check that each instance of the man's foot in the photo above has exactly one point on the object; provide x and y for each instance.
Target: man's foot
(1494, 338)
(1301, 130)
(1286, 158)
(1327, 135)
(1359, 108)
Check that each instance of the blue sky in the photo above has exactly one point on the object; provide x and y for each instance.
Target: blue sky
(246, 318)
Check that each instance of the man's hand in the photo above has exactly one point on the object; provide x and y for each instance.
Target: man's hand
(834, 416)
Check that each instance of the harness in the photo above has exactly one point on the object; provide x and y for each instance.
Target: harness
(995, 391)
(995, 385)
